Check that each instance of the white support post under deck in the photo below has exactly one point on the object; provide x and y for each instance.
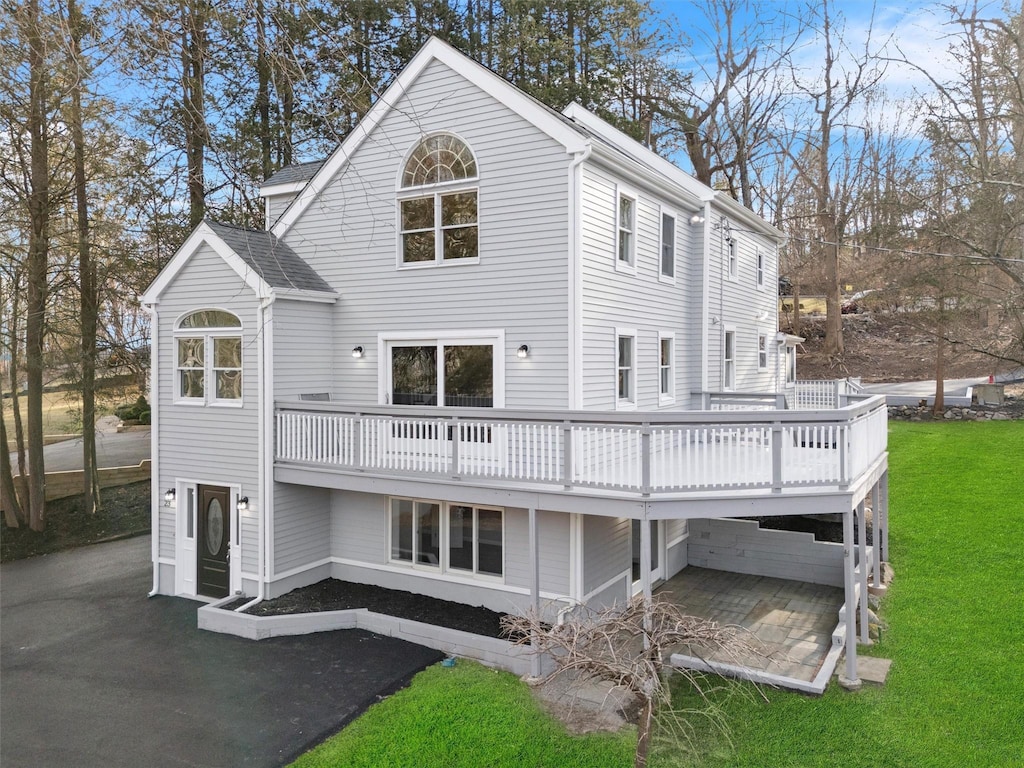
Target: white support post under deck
(883, 518)
(876, 537)
(645, 574)
(534, 587)
(850, 680)
(862, 547)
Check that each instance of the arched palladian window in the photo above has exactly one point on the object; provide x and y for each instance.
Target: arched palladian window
(208, 350)
(440, 225)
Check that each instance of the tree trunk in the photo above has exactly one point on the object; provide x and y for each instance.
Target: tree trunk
(643, 734)
(939, 406)
(796, 308)
(193, 65)
(13, 514)
(36, 267)
(87, 274)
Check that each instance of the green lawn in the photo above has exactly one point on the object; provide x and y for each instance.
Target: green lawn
(955, 696)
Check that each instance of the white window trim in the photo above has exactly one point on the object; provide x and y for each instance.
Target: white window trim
(669, 397)
(496, 337)
(732, 259)
(760, 266)
(437, 191)
(662, 277)
(625, 404)
(209, 397)
(443, 566)
(628, 266)
(762, 338)
(728, 386)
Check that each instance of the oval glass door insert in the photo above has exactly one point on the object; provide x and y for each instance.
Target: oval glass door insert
(214, 527)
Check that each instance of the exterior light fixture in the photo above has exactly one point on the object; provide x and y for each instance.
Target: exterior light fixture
(357, 352)
(696, 219)
(243, 504)
(169, 496)
(523, 352)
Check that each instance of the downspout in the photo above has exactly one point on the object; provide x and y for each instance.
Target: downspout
(705, 299)
(154, 446)
(265, 447)
(575, 394)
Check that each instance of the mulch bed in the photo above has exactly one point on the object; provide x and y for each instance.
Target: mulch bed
(124, 511)
(336, 595)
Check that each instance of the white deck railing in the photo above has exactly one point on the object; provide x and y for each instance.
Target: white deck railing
(652, 453)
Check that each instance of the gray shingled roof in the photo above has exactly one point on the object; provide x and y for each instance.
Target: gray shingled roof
(275, 262)
(294, 173)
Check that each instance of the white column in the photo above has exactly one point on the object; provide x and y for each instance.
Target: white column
(862, 552)
(876, 536)
(850, 679)
(883, 518)
(645, 571)
(534, 586)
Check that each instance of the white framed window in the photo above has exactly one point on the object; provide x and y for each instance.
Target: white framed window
(625, 368)
(732, 257)
(466, 370)
(437, 205)
(460, 539)
(790, 364)
(208, 358)
(762, 351)
(668, 247)
(666, 368)
(625, 229)
(759, 275)
(729, 360)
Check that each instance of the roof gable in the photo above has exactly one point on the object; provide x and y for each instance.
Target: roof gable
(262, 262)
(546, 120)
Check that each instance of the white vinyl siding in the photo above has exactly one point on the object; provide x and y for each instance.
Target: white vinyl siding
(214, 446)
(302, 526)
(349, 237)
(303, 350)
(640, 300)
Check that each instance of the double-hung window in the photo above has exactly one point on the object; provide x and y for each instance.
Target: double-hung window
(208, 352)
(438, 203)
(762, 351)
(625, 368)
(668, 246)
(625, 250)
(666, 368)
(759, 278)
(459, 539)
(732, 255)
(729, 361)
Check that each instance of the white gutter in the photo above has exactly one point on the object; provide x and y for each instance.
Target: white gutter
(154, 446)
(265, 448)
(575, 394)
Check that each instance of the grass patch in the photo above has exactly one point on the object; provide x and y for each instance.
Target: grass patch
(956, 617)
(466, 716)
(955, 695)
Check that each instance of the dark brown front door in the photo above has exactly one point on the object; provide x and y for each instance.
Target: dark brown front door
(214, 533)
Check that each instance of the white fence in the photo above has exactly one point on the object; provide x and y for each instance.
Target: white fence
(644, 453)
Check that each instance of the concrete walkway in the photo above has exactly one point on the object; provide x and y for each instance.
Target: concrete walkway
(95, 674)
(790, 622)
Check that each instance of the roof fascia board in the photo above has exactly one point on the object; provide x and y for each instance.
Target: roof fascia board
(204, 234)
(737, 210)
(283, 189)
(640, 174)
(301, 294)
(637, 151)
(433, 49)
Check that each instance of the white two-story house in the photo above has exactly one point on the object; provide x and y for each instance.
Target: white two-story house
(487, 352)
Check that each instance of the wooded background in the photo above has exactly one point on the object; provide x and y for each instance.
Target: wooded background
(124, 124)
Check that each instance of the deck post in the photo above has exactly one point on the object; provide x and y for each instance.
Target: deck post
(454, 468)
(645, 573)
(876, 536)
(862, 559)
(645, 459)
(567, 459)
(776, 458)
(534, 587)
(850, 679)
(883, 522)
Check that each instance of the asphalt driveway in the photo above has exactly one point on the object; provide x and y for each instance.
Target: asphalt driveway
(94, 673)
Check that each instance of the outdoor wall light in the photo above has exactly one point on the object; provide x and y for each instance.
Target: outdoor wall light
(243, 504)
(169, 495)
(696, 219)
(357, 352)
(523, 352)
